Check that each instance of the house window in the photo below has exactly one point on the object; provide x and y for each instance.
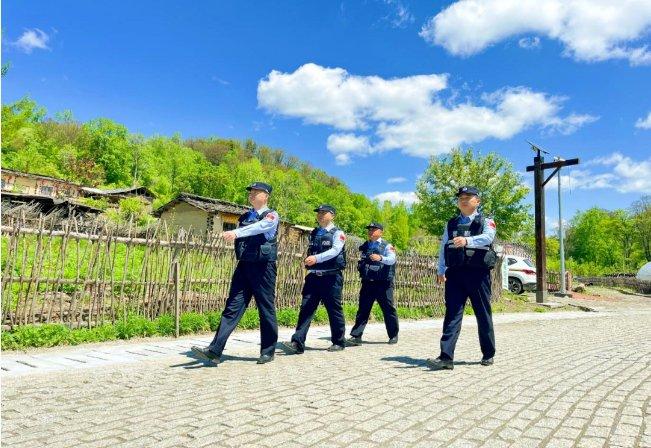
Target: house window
(228, 226)
(47, 191)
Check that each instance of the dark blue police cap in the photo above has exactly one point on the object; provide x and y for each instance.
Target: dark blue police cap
(375, 225)
(325, 208)
(467, 190)
(260, 186)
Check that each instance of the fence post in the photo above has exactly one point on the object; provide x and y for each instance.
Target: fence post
(177, 295)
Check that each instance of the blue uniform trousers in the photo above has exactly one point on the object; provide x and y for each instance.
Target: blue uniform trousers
(382, 291)
(324, 289)
(461, 283)
(257, 279)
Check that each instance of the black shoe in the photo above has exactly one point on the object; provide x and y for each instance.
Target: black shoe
(291, 348)
(265, 359)
(440, 364)
(393, 340)
(335, 348)
(205, 355)
(354, 341)
(487, 362)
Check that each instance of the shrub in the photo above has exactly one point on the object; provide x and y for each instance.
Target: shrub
(47, 335)
(321, 316)
(377, 313)
(135, 326)
(214, 317)
(250, 319)
(350, 311)
(193, 323)
(165, 325)
(287, 317)
(9, 341)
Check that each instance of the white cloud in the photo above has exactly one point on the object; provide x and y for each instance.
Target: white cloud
(551, 224)
(32, 39)
(220, 80)
(624, 175)
(331, 96)
(571, 123)
(644, 123)
(396, 180)
(343, 145)
(408, 197)
(405, 113)
(594, 30)
(399, 16)
(529, 42)
(342, 159)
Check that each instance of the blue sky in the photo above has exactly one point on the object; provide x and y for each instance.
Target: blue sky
(365, 90)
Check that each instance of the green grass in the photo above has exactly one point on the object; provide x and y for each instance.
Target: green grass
(136, 326)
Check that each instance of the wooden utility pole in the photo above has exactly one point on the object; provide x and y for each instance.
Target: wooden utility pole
(539, 166)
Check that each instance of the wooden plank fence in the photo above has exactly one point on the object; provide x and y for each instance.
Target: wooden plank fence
(90, 275)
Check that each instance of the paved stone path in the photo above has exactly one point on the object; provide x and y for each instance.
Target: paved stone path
(560, 380)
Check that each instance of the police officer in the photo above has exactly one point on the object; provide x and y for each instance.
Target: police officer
(325, 263)
(377, 269)
(255, 275)
(465, 260)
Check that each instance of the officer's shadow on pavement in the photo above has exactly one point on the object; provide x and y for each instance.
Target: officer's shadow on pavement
(415, 362)
(199, 363)
(280, 348)
(325, 338)
(408, 360)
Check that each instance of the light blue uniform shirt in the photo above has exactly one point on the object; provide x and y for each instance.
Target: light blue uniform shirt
(268, 225)
(337, 245)
(389, 255)
(481, 241)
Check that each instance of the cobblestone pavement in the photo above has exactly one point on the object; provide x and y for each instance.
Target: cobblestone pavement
(562, 382)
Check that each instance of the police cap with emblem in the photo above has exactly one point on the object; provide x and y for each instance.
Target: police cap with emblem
(260, 186)
(325, 208)
(375, 225)
(467, 190)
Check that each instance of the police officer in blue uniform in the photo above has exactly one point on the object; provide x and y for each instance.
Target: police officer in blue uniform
(325, 263)
(465, 260)
(256, 250)
(377, 270)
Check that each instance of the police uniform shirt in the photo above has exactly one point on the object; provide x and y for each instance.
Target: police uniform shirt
(389, 255)
(268, 225)
(338, 241)
(481, 241)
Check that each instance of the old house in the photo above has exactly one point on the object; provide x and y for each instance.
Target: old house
(65, 208)
(53, 194)
(200, 214)
(38, 184)
(115, 195)
(48, 194)
(209, 215)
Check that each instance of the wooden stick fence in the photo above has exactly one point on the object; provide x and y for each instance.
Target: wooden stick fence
(99, 275)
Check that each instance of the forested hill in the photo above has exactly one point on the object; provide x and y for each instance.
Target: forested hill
(103, 153)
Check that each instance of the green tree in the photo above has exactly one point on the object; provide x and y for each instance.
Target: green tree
(501, 187)
(594, 237)
(398, 226)
(641, 212)
(111, 148)
(103, 153)
(19, 121)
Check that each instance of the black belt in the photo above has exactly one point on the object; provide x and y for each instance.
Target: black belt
(323, 273)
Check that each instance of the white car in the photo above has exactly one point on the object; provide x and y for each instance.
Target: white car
(522, 274)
